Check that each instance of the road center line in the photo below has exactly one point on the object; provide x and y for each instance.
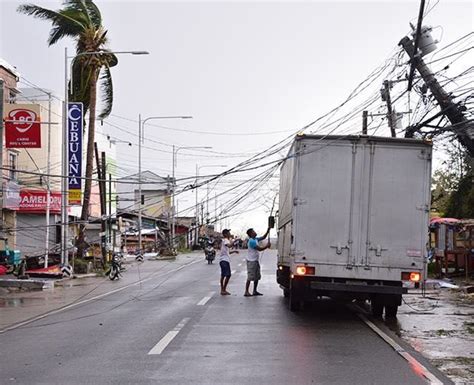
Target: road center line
(74, 304)
(168, 337)
(433, 380)
(203, 301)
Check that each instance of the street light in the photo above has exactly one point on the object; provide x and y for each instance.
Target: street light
(174, 164)
(197, 204)
(141, 132)
(116, 141)
(64, 182)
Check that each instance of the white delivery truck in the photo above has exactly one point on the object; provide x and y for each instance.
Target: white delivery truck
(353, 219)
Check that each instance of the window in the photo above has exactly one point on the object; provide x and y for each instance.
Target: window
(12, 96)
(13, 165)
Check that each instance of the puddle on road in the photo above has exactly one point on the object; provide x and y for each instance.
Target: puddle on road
(441, 327)
(20, 302)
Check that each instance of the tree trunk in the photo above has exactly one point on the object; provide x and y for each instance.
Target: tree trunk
(89, 163)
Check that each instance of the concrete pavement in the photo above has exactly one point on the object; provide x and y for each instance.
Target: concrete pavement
(175, 328)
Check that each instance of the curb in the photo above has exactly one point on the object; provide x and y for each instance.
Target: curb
(27, 284)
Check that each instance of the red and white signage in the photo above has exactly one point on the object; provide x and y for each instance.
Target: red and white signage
(22, 126)
(35, 201)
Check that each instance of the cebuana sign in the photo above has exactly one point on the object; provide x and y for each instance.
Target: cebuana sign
(74, 129)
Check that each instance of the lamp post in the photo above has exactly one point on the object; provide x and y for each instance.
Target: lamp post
(197, 203)
(64, 182)
(116, 141)
(174, 164)
(141, 132)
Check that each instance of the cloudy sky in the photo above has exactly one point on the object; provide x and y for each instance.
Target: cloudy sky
(250, 73)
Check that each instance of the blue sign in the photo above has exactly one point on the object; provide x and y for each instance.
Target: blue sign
(74, 131)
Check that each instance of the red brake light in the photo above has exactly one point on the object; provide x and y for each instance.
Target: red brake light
(411, 276)
(415, 277)
(305, 270)
(300, 270)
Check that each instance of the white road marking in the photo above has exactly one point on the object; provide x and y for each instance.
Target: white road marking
(433, 380)
(166, 340)
(233, 272)
(203, 301)
(239, 264)
(152, 276)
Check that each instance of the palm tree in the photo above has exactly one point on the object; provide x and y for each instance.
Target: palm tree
(81, 20)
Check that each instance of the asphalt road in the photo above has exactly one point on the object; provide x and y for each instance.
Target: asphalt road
(175, 328)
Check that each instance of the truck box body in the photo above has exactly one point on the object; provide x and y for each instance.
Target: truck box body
(355, 208)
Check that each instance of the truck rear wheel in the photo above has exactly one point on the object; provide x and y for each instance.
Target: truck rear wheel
(295, 303)
(391, 311)
(296, 295)
(377, 308)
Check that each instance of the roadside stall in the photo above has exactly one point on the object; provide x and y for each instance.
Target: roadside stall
(452, 246)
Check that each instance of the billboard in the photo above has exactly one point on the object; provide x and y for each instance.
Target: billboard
(22, 126)
(36, 201)
(74, 131)
(30, 200)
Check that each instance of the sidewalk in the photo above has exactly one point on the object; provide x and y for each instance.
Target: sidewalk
(19, 306)
(441, 327)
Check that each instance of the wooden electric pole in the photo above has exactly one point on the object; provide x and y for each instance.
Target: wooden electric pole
(387, 98)
(452, 111)
(100, 177)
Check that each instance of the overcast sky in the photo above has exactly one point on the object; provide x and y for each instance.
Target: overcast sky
(240, 68)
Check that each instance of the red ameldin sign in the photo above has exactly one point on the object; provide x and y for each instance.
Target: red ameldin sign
(22, 126)
(36, 201)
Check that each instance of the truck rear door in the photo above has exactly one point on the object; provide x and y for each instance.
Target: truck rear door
(397, 202)
(323, 201)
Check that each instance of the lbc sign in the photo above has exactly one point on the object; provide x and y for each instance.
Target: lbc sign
(74, 132)
(22, 126)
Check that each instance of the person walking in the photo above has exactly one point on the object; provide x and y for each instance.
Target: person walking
(224, 260)
(253, 260)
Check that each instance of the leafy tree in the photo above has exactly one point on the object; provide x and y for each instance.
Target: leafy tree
(81, 20)
(453, 193)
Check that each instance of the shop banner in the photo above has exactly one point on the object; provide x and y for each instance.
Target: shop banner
(30, 200)
(74, 129)
(22, 125)
(35, 201)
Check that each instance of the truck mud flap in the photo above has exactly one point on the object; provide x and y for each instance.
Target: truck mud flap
(330, 286)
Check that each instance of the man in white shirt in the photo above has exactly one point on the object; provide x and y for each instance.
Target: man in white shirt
(224, 260)
(253, 258)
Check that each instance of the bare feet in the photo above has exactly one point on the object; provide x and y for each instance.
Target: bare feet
(226, 293)
(257, 293)
(247, 295)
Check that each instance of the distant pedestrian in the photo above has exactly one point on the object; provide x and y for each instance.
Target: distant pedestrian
(253, 260)
(224, 260)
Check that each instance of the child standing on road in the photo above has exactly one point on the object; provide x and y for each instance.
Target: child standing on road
(224, 260)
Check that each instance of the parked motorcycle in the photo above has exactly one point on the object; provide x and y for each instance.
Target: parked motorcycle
(115, 269)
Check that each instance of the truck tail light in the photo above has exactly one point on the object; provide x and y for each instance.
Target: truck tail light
(411, 276)
(304, 270)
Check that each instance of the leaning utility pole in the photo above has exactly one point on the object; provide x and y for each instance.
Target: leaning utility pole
(385, 91)
(452, 111)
